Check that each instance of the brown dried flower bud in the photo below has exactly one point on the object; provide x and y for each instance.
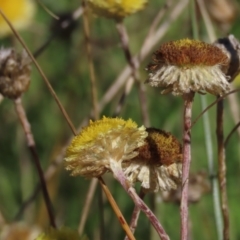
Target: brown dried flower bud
(158, 164)
(15, 72)
(199, 185)
(231, 47)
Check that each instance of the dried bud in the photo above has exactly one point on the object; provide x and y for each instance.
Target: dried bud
(14, 73)
(231, 47)
(199, 185)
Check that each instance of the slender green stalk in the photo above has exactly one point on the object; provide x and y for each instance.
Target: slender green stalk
(208, 139)
(212, 173)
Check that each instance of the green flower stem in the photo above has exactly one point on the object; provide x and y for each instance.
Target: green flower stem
(119, 175)
(211, 169)
(32, 148)
(187, 118)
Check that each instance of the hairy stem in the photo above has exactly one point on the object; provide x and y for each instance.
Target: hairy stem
(119, 175)
(135, 215)
(222, 171)
(187, 118)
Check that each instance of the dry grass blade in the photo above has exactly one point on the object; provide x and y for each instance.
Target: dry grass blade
(116, 210)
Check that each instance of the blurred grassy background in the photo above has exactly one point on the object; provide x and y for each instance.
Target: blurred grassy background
(65, 63)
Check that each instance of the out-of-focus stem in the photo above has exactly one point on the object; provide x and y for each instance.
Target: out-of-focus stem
(187, 118)
(211, 169)
(222, 171)
(134, 64)
(32, 148)
(90, 64)
(86, 207)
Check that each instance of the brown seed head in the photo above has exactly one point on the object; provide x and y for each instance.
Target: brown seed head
(161, 148)
(14, 73)
(187, 53)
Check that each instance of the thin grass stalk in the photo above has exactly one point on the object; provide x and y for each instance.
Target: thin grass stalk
(86, 206)
(32, 148)
(235, 128)
(234, 108)
(116, 210)
(153, 27)
(135, 76)
(187, 118)
(206, 123)
(222, 170)
(90, 63)
(212, 173)
(212, 104)
(101, 210)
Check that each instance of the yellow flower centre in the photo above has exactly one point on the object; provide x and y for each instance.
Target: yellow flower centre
(99, 128)
(13, 9)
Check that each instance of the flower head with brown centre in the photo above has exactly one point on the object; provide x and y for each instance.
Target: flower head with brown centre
(189, 65)
(102, 144)
(158, 164)
(15, 73)
(116, 9)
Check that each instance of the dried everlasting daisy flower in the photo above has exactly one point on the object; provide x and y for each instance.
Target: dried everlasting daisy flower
(102, 144)
(116, 9)
(19, 13)
(158, 164)
(15, 73)
(186, 66)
